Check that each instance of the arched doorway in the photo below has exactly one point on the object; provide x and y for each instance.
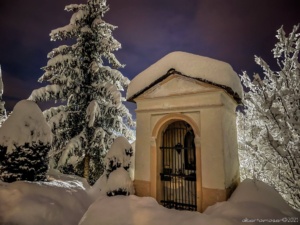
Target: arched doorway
(178, 167)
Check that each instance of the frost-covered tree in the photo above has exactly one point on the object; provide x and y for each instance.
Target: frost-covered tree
(269, 129)
(85, 76)
(3, 115)
(25, 141)
(116, 177)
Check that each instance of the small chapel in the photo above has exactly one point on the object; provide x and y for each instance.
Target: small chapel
(186, 153)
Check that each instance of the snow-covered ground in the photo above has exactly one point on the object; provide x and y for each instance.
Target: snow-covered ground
(65, 200)
(62, 201)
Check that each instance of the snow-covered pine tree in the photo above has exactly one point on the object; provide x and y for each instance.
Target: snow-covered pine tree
(85, 75)
(3, 115)
(25, 141)
(116, 177)
(269, 129)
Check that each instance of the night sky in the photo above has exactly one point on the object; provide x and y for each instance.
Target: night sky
(229, 30)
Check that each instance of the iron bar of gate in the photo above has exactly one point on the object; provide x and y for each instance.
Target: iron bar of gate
(179, 181)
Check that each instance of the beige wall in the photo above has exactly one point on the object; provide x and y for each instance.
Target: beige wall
(142, 147)
(231, 158)
(213, 174)
(210, 111)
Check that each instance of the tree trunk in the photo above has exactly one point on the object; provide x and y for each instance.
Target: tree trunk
(86, 167)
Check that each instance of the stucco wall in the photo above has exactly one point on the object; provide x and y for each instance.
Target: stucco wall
(231, 159)
(142, 147)
(213, 174)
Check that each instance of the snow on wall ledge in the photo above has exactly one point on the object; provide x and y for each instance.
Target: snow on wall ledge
(191, 65)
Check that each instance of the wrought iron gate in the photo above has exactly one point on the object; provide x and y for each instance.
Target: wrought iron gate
(178, 175)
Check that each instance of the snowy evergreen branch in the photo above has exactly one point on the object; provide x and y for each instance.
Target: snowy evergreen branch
(50, 92)
(85, 76)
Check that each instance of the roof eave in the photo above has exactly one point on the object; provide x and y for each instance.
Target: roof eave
(172, 71)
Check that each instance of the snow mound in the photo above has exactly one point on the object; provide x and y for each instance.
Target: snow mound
(133, 210)
(120, 179)
(50, 203)
(26, 124)
(191, 65)
(254, 201)
(65, 202)
(259, 192)
(55, 174)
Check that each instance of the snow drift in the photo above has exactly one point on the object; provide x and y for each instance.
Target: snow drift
(59, 202)
(252, 202)
(64, 201)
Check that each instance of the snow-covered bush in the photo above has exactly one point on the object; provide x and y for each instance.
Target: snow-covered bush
(116, 177)
(85, 76)
(269, 129)
(25, 140)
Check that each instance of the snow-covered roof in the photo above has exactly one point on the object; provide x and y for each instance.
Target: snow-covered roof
(191, 65)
